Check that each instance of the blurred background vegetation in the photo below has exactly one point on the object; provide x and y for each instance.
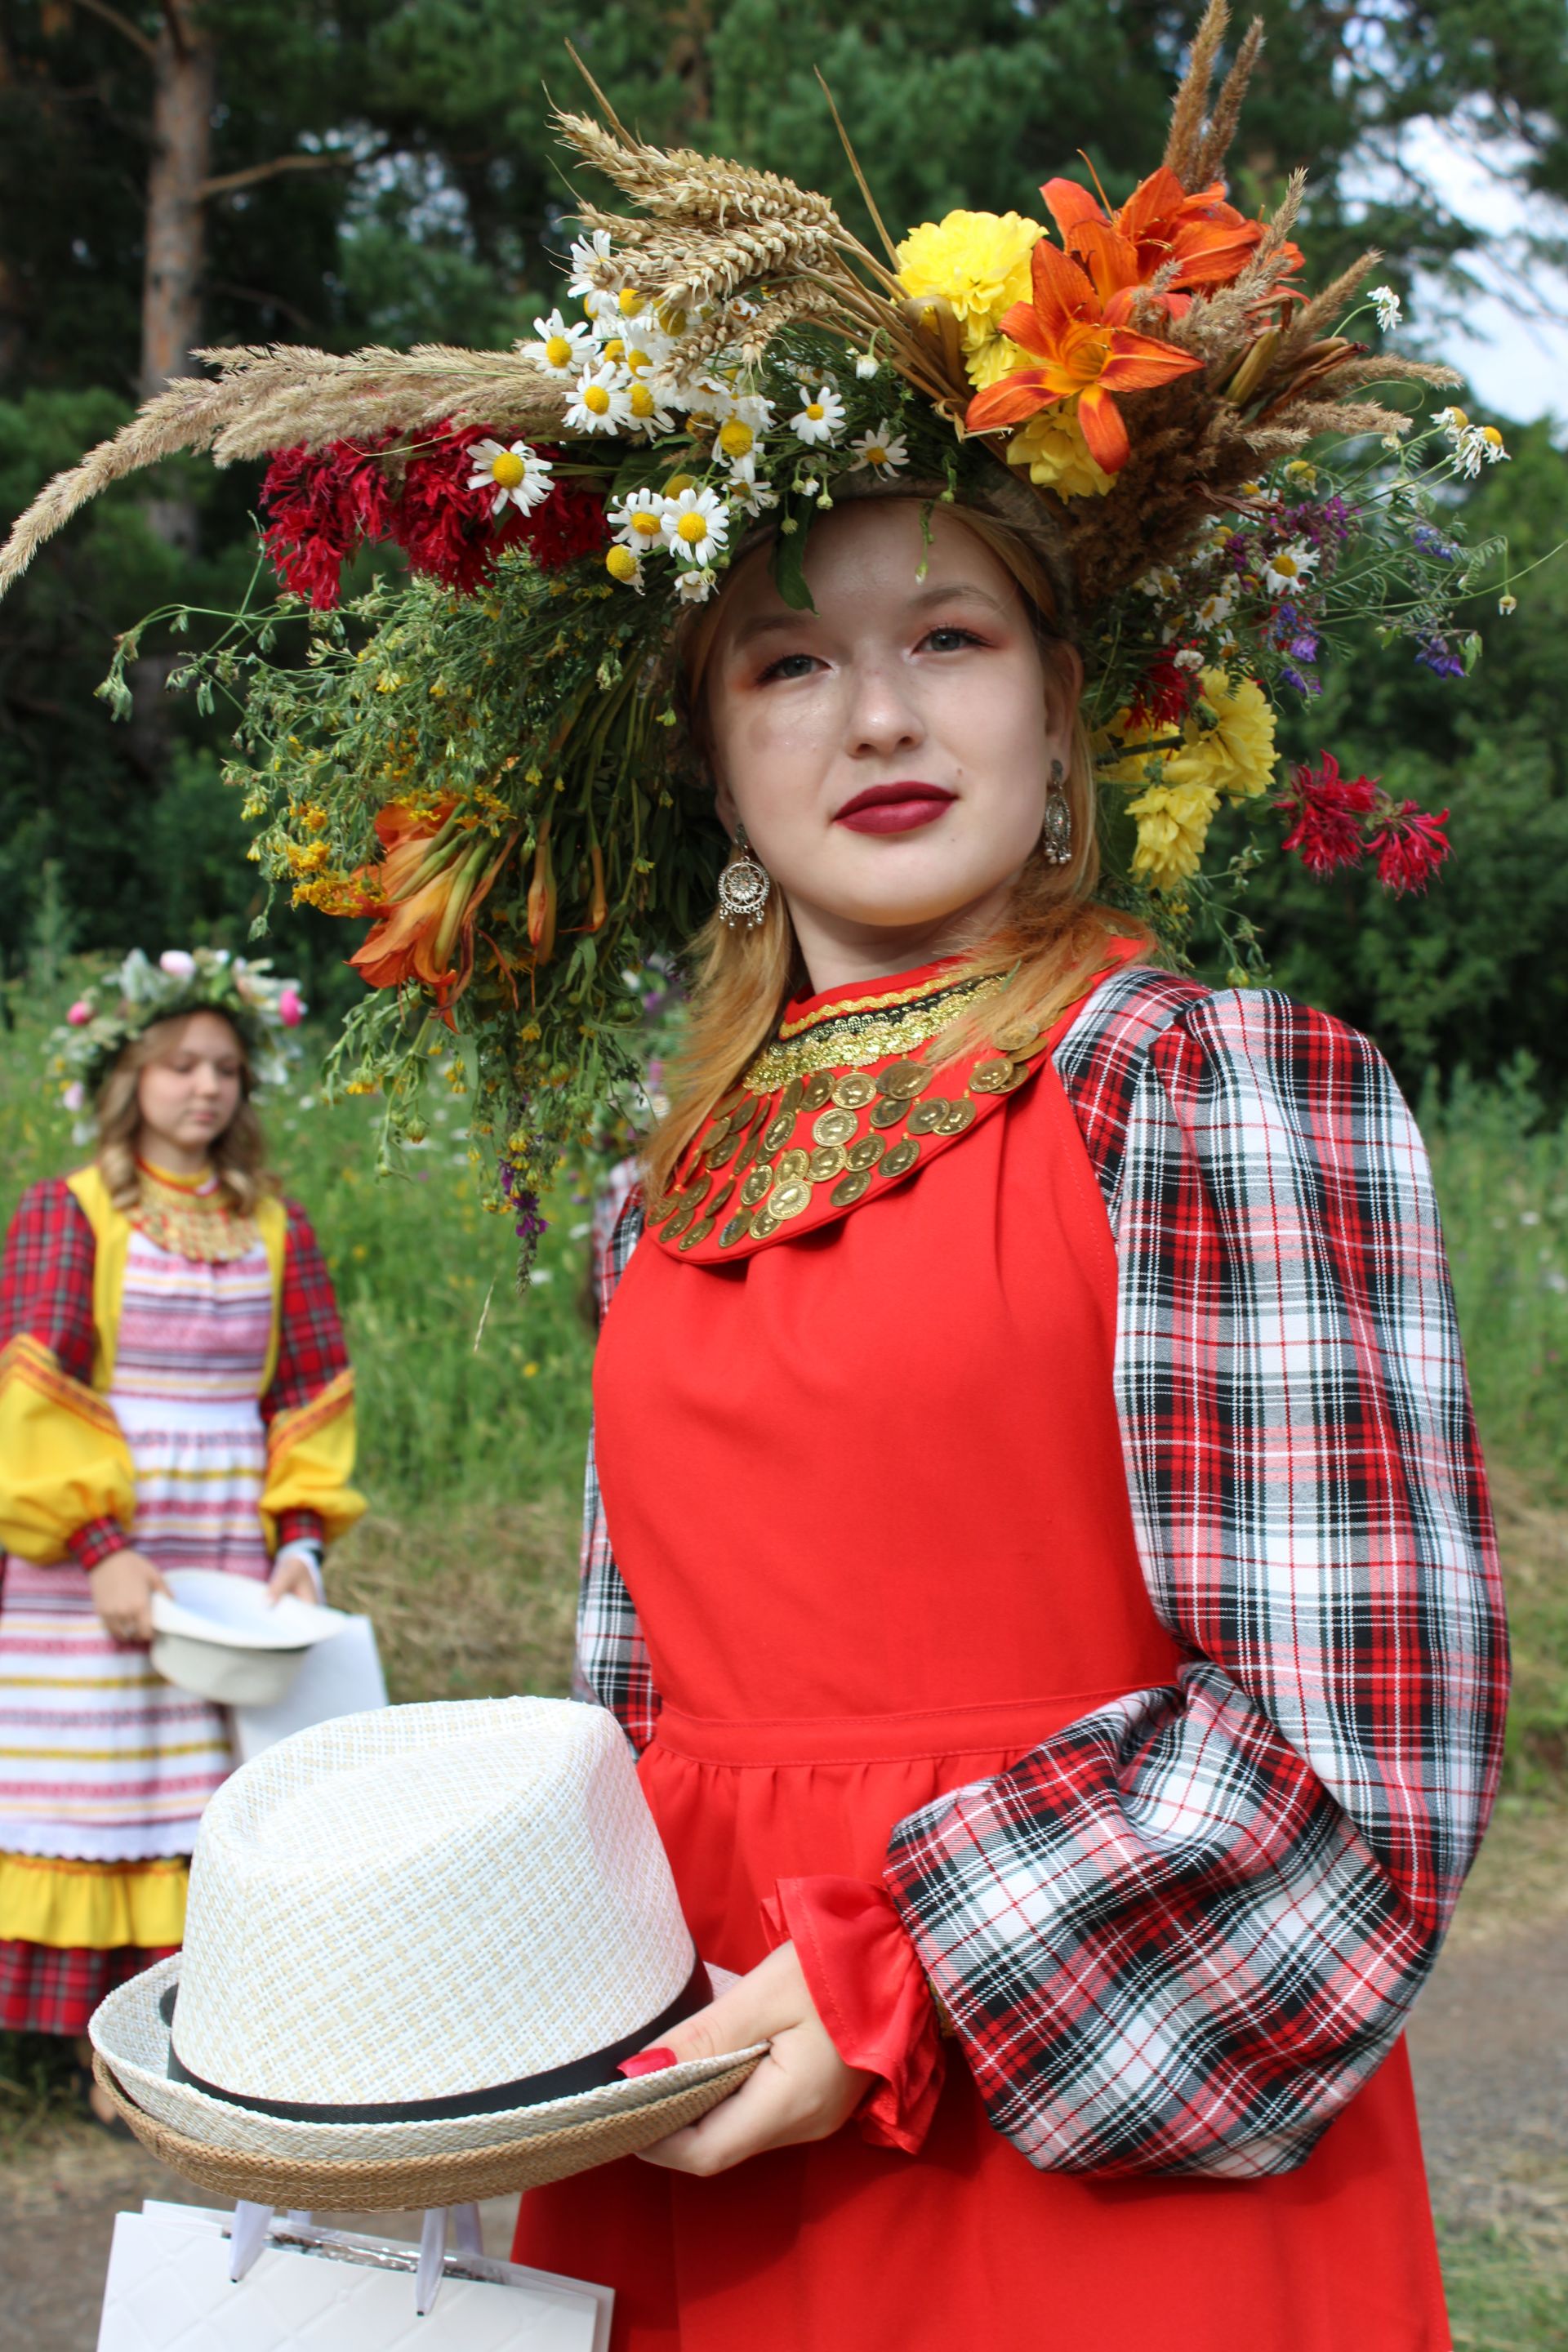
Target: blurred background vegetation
(374, 170)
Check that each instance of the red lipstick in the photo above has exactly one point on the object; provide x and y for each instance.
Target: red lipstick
(894, 808)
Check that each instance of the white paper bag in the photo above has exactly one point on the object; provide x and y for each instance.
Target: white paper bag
(340, 1676)
(327, 2291)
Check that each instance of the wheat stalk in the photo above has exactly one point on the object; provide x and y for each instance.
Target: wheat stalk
(1191, 103)
(1216, 139)
(680, 184)
(188, 416)
(271, 397)
(1391, 368)
(1311, 417)
(1308, 322)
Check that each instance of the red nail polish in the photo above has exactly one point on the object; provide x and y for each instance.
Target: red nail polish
(649, 2061)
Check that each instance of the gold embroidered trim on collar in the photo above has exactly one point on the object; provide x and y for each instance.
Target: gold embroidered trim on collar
(188, 1224)
(846, 1038)
(887, 1001)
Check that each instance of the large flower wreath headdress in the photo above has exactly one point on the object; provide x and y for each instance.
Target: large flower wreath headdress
(485, 758)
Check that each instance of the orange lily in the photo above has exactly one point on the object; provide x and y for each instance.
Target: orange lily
(426, 892)
(542, 899)
(1084, 346)
(1209, 240)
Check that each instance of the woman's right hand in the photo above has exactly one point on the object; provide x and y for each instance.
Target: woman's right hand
(122, 1589)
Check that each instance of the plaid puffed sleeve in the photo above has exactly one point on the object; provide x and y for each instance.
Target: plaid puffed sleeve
(308, 1404)
(67, 1486)
(1179, 1936)
(612, 1666)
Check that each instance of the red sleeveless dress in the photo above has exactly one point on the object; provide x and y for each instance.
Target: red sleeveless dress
(865, 1486)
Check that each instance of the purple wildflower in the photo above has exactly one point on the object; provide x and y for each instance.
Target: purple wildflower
(1436, 654)
(529, 1224)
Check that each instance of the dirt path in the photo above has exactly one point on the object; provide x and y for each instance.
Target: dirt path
(1490, 2041)
(1489, 2046)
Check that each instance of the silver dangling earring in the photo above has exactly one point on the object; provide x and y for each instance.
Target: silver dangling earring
(744, 886)
(1056, 834)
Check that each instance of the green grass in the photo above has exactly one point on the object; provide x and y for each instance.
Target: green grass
(473, 1410)
(1504, 2295)
(1502, 1172)
(1502, 1181)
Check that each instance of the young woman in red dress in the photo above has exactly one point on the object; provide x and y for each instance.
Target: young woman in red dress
(1037, 1546)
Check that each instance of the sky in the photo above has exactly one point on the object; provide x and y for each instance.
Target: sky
(1516, 360)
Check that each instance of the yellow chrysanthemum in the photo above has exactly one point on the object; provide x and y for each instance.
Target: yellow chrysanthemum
(1135, 765)
(1237, 754)
(1053, 448)
(987, 363)
(1173, 822)
(978, 262)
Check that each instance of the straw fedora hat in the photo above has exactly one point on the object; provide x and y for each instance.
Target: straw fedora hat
(418, 1943)
(225, 1638)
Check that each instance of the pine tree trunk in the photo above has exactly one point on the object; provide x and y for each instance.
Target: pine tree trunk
(183, 95)
(185, 91)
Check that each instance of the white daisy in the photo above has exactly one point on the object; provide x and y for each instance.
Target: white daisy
(736, 447)
(1478, 444)
(747, 495)
(589, 254)
(604, 402)
(564, 349)
(884, 450)
(696, 585)
(695, 525)
(638, 520)
(721, 402)
(1160, 583)
(1217, 606)
(648, 416)
(1284, 574)
(600, 311)
(820, 418)
(624, 567)
(647, 350)
(517, 476)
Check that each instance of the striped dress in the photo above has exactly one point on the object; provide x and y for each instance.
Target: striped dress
(100, 1760)
(104, 1767)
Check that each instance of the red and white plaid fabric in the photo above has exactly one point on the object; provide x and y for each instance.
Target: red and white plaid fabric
(1179, 1936)
(44, 1989)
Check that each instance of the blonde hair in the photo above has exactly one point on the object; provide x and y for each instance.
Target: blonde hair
(239, 1155)
(1054, 938)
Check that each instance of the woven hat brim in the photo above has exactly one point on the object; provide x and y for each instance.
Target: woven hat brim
(401, 2184)
(130, 2035)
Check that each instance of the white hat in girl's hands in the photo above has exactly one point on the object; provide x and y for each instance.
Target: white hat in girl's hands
(227, 1640)
(418, 1943)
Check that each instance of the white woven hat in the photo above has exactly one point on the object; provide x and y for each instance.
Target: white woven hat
(226, 1638)
(414, 1934)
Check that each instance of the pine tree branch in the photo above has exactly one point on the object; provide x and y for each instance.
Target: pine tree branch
(179, 30)
(225, 183)
(124, 26)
